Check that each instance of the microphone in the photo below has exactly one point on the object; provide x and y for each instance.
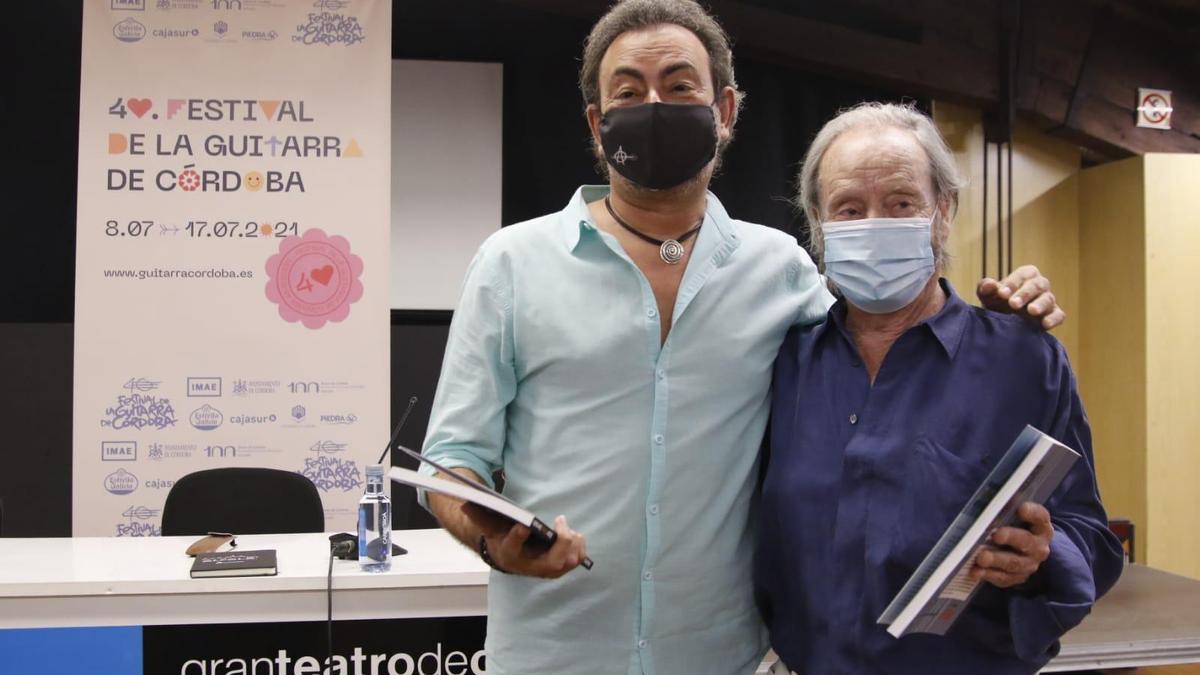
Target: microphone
(345, 546)
(396, 434)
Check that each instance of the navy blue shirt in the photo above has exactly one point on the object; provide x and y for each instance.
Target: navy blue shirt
(864, 478)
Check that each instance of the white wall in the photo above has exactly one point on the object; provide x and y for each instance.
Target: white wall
(446, 149)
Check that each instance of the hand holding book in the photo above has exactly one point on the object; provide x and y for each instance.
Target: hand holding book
(1021, 551)
(512, 550)
(515, 540)
(945, 582)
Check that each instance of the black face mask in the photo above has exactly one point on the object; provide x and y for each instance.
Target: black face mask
(659, 145)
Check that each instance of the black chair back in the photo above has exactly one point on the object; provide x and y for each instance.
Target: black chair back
(242, 501)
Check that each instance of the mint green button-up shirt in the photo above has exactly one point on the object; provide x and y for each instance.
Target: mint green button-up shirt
(554, 373)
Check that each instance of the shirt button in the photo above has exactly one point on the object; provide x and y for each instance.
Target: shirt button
(652, 312)
(654, 509)
(658, 438)
(642, 644)
(853, 418)
(647, 576)
(662, 374)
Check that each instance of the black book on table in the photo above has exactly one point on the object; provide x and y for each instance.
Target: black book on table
(235, 564)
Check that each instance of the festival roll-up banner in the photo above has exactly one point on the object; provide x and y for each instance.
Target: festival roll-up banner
(232, 260)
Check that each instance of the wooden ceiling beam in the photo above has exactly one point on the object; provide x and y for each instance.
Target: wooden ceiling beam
(1084, 93)
(811, 44)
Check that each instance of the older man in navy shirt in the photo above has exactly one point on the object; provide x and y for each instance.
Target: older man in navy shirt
(889, 414)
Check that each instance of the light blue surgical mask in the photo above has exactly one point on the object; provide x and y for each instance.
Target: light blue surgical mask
(879, 264)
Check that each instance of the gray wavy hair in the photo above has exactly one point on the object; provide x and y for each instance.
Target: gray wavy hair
(947, 182)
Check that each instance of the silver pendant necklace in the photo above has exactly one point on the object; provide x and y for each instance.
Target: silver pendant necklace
(671, 250)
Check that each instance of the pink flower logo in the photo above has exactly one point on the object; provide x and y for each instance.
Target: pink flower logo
(314, 278)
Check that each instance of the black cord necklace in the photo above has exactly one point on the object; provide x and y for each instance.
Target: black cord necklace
(671, 251)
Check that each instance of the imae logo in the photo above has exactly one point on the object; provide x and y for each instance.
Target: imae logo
(118, 451)
(428, 663)
(204, 386)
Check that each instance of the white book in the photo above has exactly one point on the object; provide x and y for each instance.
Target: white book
(542, 536)
(937, 592)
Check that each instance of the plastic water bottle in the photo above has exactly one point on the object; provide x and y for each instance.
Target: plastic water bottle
(375, 524)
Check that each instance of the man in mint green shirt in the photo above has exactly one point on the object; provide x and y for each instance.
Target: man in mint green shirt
(614, 361)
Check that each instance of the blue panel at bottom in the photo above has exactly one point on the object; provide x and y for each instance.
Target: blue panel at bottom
(70, 651)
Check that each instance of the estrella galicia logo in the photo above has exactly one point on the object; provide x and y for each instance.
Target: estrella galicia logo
(204, 386)
(120, 482)
(129, 30)
(118, 451)
(135, 5)
(206, 418)
(298, 413)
